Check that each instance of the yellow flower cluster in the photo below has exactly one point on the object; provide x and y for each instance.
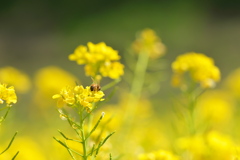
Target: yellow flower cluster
(15, 77)
(148, 42)
(216, 107)
(98, 59)
(7, 94)
(48, 81)
(158, 155)
(201, 68)
(78, 95)
(213, 145)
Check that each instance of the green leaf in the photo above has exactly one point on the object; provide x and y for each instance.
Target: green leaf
(103, 142)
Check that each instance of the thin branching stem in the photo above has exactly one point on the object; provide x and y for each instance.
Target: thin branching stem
(82, 133)
(10, 143)
(15, 155)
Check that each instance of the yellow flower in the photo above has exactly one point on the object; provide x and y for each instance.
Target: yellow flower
(211, 145)
(66, 96)
(80, 55)
(221, 146)
(50, 80)
(102, 52)
(215, 107)
(158, 155)
(98, 58)
(194, 146)
(200, 67)
(7, 94)
(148, 42)
(112, 70)
(29, 149)
(18, 79)
(73, 96)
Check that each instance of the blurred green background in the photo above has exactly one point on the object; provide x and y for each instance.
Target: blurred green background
(37, 33)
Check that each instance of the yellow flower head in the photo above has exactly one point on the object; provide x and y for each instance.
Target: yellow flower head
(7, 94)
(148, 42)
(98, 58)
(216, 107)
(112, 70)
(194, 145)
(78, 95)
(48, 81)
(14, 77)
(200, 67)
(221, 146)
(211, 145)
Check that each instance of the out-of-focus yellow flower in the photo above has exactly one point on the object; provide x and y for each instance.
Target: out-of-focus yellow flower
(212, 145)
(98, 59)
(158, 155)
(16, 78)
(193, 146)
(221, 146)
(149, 43)
(7, 94)
(142, 129)
(28, 150)
(72, 96)
(50, 80)
(232, 83)
(200, 67)
(215, 107)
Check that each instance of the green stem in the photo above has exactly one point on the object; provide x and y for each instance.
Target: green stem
(4, 117)
(136, 90)
(84, 141)
(192, 105)
(111, 84)
(137, 85)
(139, 75)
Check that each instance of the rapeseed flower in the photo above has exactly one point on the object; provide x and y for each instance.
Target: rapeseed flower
(98, 59)
(192, 146)
(215, 107)
(211, 145)
(148, 42)
(200, 67)
(221, 146)
(48, 81)
(16, 78)
(28, 148)
(78, 95)
(7, 94)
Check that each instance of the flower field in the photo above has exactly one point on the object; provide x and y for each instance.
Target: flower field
(114, 110)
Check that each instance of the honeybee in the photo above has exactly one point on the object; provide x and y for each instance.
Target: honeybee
(95, 86)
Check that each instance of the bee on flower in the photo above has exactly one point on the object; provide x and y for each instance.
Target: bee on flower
(78, 95)
(95, 86)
